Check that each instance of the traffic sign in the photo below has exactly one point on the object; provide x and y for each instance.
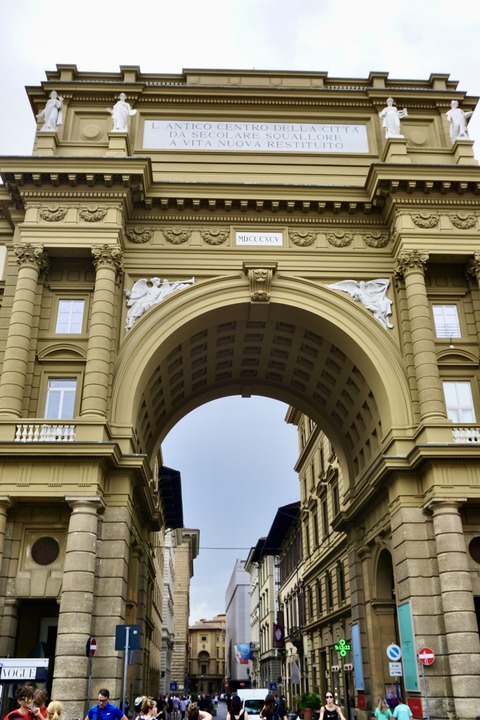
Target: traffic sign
(395, 669)
(173, 686)
(91, 647)
(426, 656)
(394, 652)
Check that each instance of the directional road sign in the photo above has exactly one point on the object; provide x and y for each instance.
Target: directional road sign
(426, 656)
(394, 652)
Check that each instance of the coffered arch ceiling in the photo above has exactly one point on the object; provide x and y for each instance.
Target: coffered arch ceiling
(328, 359)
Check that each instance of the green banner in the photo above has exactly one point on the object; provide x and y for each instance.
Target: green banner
(407, 641)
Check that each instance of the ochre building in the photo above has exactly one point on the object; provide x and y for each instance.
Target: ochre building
(320, 244)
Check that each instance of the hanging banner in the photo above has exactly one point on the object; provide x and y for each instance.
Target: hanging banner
(407, 641)
(357, 657)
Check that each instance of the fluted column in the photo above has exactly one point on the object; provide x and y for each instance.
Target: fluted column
(108, 263)
(410, 266)
(5, 505)
(32, 260)
(461, 629)
(76, 604)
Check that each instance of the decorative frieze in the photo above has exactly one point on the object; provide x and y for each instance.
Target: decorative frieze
(302, 238)
(376, 239)
(177, 235)
(215, 236)
(426, 219)
(463, 220)
(339, 238)
(139, 234)
(53, 213)
(92, 213)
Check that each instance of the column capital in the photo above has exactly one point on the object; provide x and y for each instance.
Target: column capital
(472, 268)
(32, 256)
(6, 502)
(108, 256)
(444, 506)
(91, 501)
(409, 261)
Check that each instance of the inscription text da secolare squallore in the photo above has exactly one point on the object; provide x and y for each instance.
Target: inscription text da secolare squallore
(259, 136)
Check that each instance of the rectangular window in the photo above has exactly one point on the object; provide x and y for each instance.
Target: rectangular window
(325, 518)
(60, 403)
(335, 499)
(70, 317)
(459, 401)
(446, 321)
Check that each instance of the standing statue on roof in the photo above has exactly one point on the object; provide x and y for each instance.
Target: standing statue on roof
(391, 117)
(120, 114)
(51, 113)
(458, 122)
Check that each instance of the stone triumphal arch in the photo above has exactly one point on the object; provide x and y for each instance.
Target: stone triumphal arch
(214, 233)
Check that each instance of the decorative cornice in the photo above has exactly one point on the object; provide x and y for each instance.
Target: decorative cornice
(426, 219)
(376, 239)
(177, 235)
(302, 238)
(463, 220)
(340, 238)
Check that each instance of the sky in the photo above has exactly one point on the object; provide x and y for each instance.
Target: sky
(236, 456)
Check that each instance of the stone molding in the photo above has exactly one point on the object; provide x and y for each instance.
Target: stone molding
(302, 238)
(177, 235)
(92, 213)
(260, 280)
(376, 239)
(53, 213)
(340, 238)
(426, 219)
(463, 220)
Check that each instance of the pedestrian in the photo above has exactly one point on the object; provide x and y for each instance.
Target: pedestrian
(39, 704)
(382, 711)
(23, 696)
(402, 711)
(193, 713)
(148, 711)
(104, 710)
(54, 710)
(330, 711)
(269, 709)
(235, 712)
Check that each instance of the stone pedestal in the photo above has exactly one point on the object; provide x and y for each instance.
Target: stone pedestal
(463, 152)
(118, 144)
(395, 151)
(45, 143)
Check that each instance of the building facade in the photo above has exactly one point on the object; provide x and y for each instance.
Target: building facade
(237, 606)
(185, 553)
(207, 655)
(315, 246)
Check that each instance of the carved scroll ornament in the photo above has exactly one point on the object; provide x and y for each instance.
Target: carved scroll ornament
(260, 280)
(31, 255)
(108, 256)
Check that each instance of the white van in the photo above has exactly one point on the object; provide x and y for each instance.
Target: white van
(252, 700)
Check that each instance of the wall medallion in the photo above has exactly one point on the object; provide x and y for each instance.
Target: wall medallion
(92, 213)
(463, 220)
(426, 219)
(139, 234)
(176, 235)
(375, 239)
(339, 238)
(302, 238)
(215, 236)
(53, 213)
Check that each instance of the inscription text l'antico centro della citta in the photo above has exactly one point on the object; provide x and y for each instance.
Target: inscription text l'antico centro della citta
(243, 136)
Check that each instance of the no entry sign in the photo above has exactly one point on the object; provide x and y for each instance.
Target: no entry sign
(426, 656)
(91, 646)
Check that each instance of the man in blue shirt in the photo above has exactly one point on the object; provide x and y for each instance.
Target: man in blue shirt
(105, 710)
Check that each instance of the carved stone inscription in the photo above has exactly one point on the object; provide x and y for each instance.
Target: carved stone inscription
(325, 137)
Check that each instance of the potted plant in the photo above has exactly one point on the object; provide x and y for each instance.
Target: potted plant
(308, 702)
